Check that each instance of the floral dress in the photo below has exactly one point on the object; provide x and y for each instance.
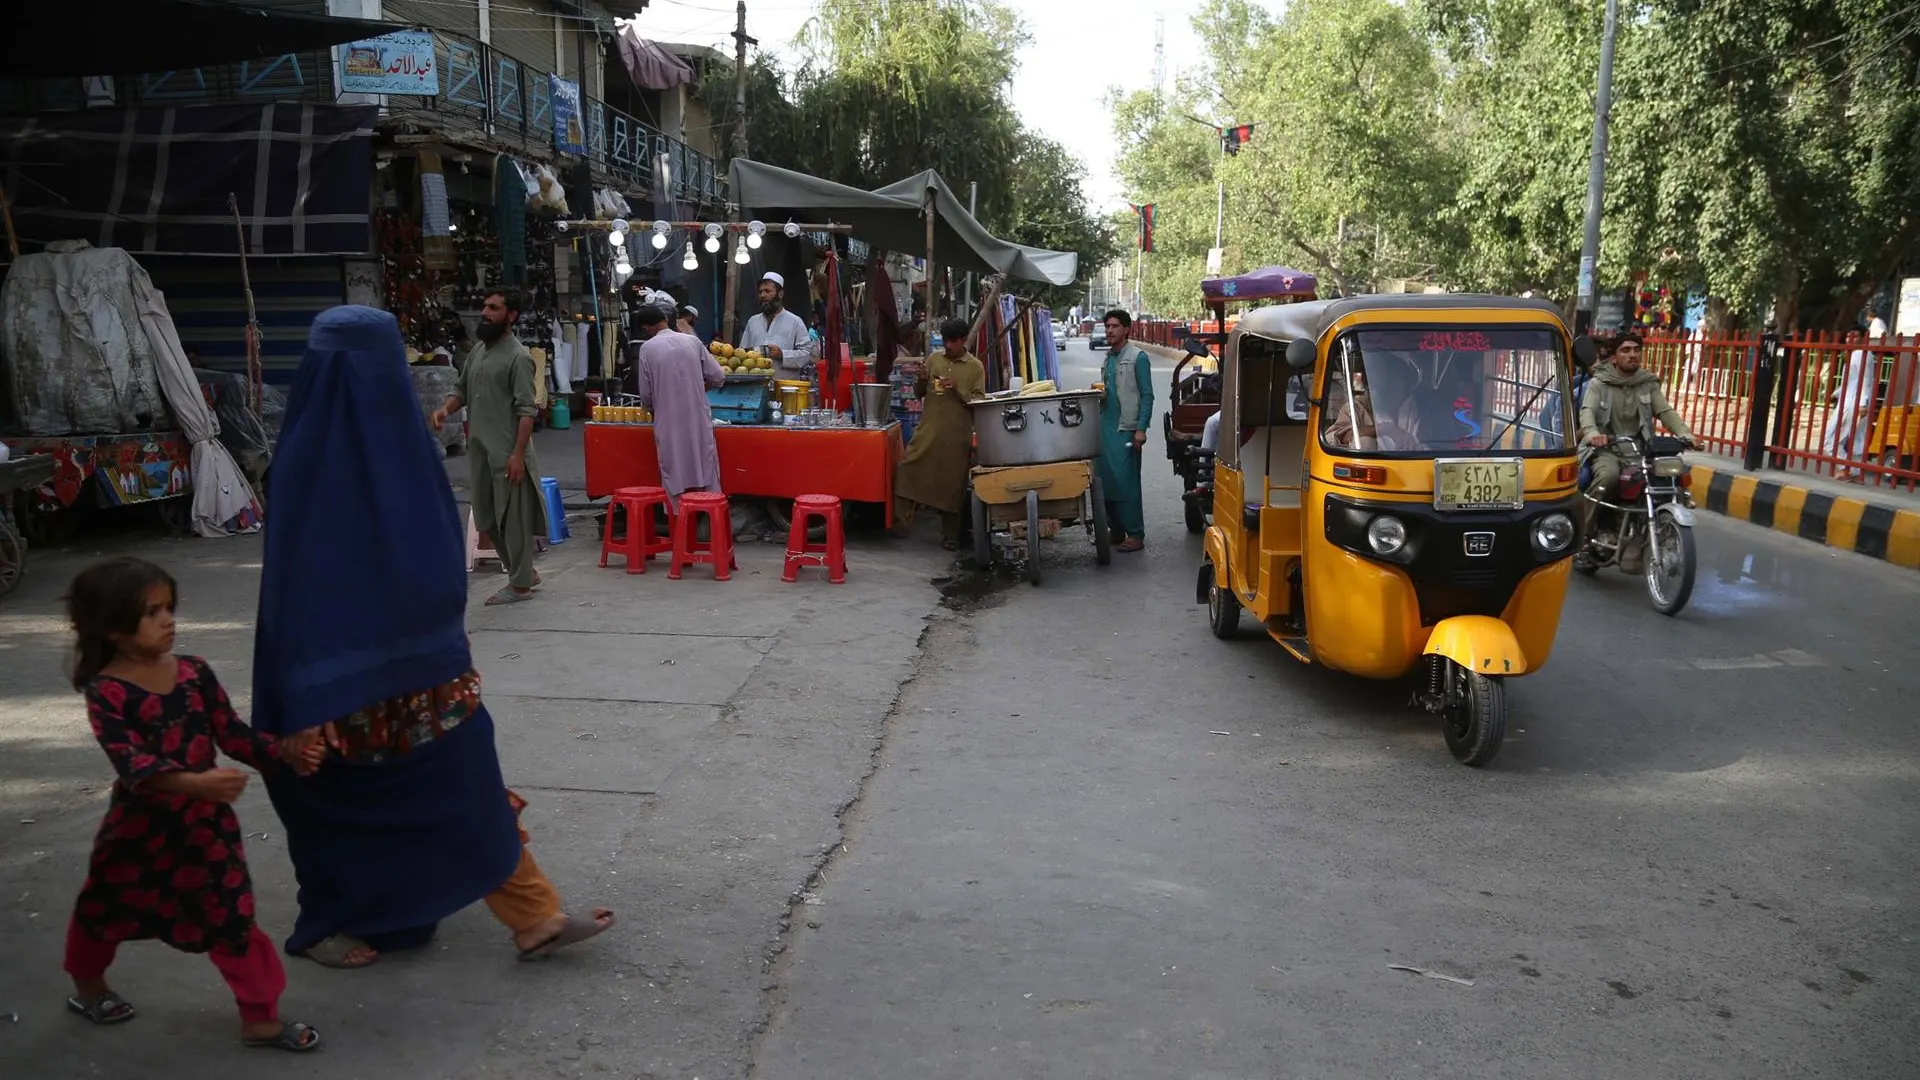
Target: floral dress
(164, 866)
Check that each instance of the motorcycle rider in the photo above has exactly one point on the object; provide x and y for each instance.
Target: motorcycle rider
(1621, 400)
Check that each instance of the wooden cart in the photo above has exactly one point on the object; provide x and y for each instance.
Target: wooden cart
(18, 474)
(1015, 502)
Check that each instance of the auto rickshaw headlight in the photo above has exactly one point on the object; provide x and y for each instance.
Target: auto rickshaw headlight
(1386, 535)
(1553, 533)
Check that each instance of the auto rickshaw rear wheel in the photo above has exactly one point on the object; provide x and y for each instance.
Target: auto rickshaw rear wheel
(1223, 608)
(1475, 717)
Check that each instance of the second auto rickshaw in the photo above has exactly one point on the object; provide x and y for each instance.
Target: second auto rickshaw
(1395, 493)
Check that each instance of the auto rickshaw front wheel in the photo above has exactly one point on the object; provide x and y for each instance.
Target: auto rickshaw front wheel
(1223, 608)
(1474, 718)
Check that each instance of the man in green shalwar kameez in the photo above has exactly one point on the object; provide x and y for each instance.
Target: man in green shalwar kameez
(1126, 415)
(496, 386)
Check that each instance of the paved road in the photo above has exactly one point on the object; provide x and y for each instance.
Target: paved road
(1694, 858)
(1691, 860)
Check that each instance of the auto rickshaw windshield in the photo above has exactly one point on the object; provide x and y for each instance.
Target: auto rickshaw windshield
(1453, 390)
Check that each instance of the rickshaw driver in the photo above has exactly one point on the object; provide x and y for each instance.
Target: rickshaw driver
(1620, 400)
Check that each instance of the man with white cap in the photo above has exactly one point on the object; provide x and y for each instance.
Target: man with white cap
(776, 333)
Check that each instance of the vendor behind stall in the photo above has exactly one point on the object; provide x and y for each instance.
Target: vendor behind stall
(933, 472)
(777, 333)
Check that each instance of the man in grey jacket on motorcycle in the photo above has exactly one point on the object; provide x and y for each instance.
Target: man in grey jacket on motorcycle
(1622, 400)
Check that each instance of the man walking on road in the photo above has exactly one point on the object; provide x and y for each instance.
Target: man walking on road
(496, 386)
(673, 378)
(1126, 415)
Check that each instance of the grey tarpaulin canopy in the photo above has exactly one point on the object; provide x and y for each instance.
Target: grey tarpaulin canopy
(891, 218)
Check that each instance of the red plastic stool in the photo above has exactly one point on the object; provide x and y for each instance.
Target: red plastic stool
(800, 552)
(640, 544)
(718, 550)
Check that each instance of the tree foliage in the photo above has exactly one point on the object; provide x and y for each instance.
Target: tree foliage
(1766, 151)
(888, 88)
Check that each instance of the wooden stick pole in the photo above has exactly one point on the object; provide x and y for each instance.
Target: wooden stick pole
(6, 214)
(254, 375)
(931, 311)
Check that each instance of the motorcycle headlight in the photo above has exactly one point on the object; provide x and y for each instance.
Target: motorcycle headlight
(1669, 466)
(1386, 535)
(1553, 533)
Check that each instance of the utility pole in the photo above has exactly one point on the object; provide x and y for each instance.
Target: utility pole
(973, 197)
(740, 43)
(1596, 176)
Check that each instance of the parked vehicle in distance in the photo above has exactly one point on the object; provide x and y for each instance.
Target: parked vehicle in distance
(1098, 340)
(1059, 334)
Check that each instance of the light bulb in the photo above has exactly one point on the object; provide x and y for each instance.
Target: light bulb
(712, 245)
(792, 230)
(618, 240)
(753, 240)
(691, 261)
(659, 241)
(561, 225)
(740, 253)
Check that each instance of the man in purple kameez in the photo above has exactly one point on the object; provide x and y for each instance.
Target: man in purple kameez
(674, 374)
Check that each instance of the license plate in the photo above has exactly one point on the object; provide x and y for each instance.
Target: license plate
(1477, 484)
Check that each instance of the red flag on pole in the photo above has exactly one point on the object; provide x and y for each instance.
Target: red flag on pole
(1145, 214)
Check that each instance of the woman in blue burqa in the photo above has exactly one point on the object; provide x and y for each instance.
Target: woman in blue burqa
(362, 641)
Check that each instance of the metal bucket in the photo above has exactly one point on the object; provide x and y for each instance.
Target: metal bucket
(872, 404)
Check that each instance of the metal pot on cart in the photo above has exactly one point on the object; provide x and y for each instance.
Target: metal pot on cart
(1034, 469)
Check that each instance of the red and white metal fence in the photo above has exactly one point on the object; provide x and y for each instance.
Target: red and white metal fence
(1836, 405)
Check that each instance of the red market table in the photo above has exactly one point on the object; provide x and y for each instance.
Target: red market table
(768, 462)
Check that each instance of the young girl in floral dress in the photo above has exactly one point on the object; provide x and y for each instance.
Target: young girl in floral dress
(167, 862)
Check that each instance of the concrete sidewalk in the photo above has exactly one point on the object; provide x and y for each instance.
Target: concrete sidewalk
(686, 747)
(1877, 521)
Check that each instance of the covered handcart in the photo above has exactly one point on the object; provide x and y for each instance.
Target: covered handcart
(846, 440)
(104, 389)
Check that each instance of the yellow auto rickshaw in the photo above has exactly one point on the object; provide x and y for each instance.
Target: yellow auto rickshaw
(1396, 488)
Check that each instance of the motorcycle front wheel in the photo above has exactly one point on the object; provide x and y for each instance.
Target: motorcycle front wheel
(1671, 564)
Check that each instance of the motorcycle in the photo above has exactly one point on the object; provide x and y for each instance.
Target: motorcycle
(1649, 530)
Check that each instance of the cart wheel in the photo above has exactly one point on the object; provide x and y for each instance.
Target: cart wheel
(780, 512)
(1102, 539)
(1223, 608)
(176, 514)
(1033, 537)
(44, 528)
(1196, 517)
(1476, 722)
(13, 557)
(982, 534)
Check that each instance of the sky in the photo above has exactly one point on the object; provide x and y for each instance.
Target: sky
(1079, 49)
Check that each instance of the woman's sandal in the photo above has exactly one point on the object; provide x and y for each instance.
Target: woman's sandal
(575, 931)
(108, 1008)
(334, 952)
(297, 1037)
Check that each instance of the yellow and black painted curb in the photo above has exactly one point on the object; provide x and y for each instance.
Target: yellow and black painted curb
(1857, 525)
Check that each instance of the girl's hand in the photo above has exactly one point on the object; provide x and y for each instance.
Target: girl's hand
(215, 785)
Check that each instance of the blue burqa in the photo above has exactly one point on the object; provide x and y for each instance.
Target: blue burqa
(363, 598)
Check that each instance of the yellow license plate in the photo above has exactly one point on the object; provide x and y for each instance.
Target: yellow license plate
(1478, 484)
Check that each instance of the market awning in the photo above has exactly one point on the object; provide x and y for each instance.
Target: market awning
(114, 37)
(891, 218)
(1016, 260)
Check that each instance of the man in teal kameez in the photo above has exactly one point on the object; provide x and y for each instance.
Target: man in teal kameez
(496, 386)
(1126, 414)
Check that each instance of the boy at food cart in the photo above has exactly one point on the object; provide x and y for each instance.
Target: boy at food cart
(933, 472)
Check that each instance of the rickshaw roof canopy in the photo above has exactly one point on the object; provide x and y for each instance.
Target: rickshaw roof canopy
(1266, 283)
(1287, 322)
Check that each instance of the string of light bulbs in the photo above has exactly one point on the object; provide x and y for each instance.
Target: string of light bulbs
(751, 234)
